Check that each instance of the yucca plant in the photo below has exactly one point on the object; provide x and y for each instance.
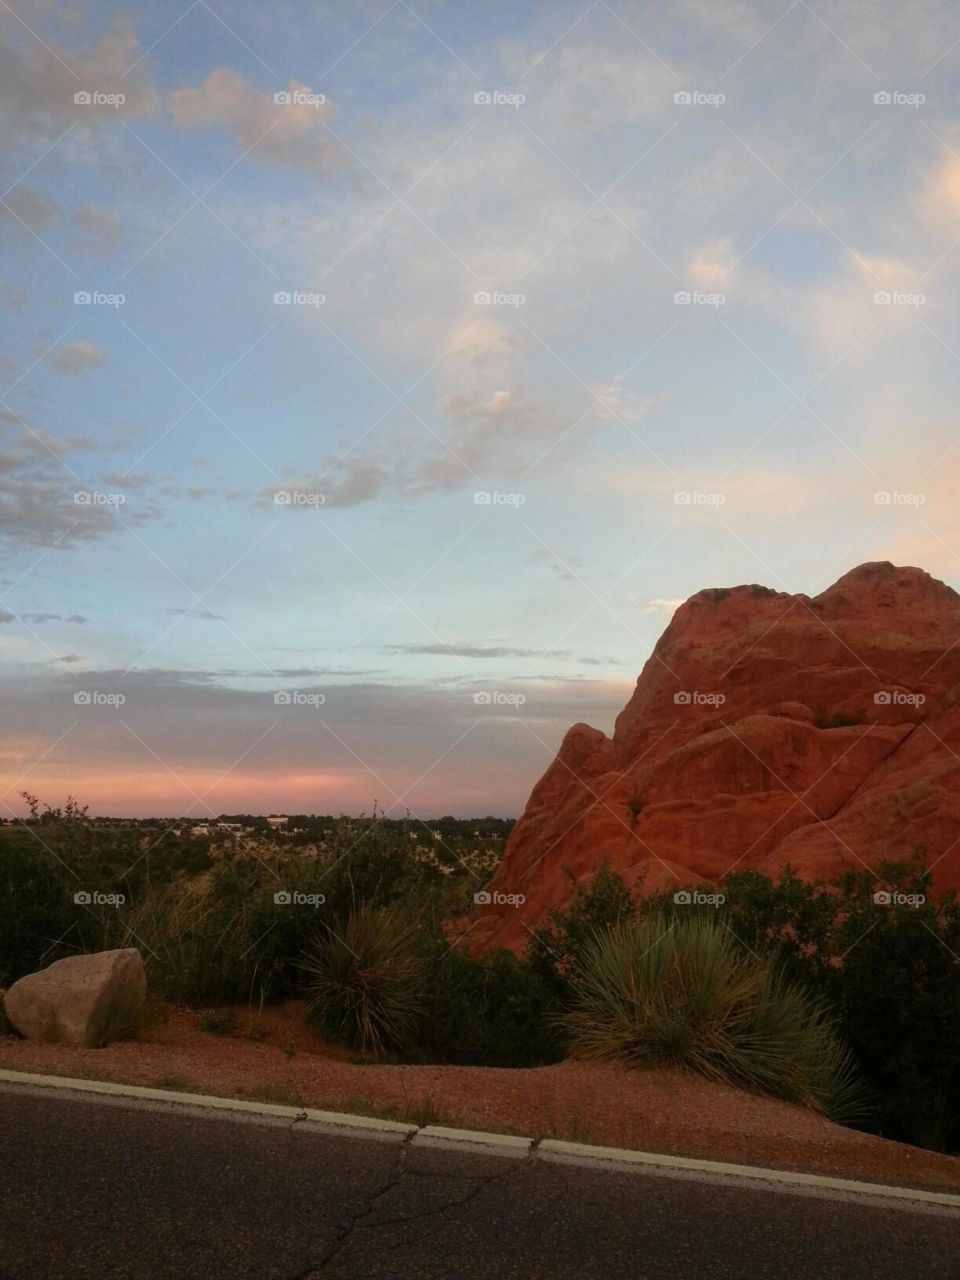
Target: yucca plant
(365, 980)
(682, 993)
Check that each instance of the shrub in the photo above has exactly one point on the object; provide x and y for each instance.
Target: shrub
(898, 994)
(556, 948)
(202, 942)
(891, 973)
(497, 1012)
(682, 993)
(220, 1022)
(366, 983)
(221, 937)
(37, 913)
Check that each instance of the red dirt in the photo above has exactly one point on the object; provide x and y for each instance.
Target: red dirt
(669, 1112)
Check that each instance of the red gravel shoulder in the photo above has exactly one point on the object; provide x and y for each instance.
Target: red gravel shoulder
(669, 1112)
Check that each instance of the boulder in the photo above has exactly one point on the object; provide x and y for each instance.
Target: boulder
(75, 1001)
(765, 729)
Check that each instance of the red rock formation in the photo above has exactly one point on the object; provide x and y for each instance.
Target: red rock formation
(765, 728)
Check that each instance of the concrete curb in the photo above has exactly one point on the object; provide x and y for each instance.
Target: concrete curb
(500, 1144)
(620, 1158)
(615, 1159)
(328, 1121)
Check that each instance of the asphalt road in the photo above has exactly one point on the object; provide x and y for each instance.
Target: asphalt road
(93, 1190)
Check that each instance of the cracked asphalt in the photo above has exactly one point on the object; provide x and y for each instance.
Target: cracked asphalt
(99, 1190)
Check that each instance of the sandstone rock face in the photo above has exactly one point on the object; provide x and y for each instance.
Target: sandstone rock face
(74, 1000)
(765, 728)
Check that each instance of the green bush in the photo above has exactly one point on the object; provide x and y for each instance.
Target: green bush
(222, 937)
(38, 917)
(496, 1012)
(556, 949)
(682, 993)
(366, 981)
(889, 970)
(203, 942)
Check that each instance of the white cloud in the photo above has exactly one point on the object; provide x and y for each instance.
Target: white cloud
(661, 606)
(290, 134)
(712, 265)
(37, 86)
(76, 357)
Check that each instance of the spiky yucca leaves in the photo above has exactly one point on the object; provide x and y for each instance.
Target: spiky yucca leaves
(366, 980)
(681, 993)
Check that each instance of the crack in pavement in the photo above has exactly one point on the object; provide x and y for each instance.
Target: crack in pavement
(358, 1221)
(341, 1239)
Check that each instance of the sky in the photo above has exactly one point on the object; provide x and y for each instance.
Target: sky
(379, 377)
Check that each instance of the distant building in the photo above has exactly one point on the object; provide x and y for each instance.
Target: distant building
(278, 820)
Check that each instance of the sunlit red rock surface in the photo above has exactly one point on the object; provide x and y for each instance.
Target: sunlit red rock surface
(765, 728)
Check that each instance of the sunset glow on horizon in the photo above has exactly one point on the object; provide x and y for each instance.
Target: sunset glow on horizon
(380, 378)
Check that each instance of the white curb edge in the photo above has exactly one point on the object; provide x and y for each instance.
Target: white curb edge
(501, 1144)
(617, 1159)
(370, 1126)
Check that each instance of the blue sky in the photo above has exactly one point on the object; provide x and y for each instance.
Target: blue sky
(734, 153)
